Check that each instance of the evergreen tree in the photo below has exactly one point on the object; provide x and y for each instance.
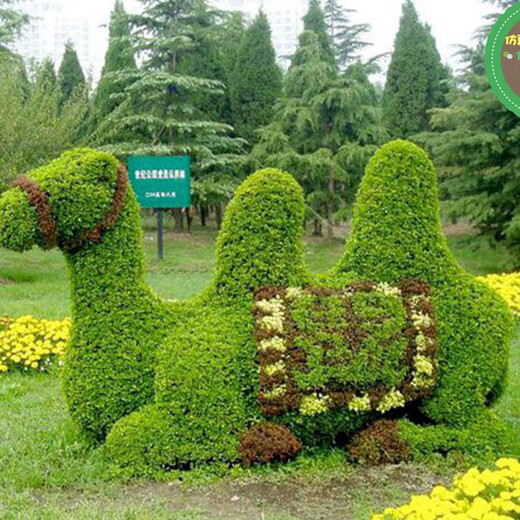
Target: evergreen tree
(208, 58)
(12, 22)
(414, 81)
(230, 33)
(314, 21)
(346, 37)
(475, 143)
(70, 75)
(46, 75)
(256, 83)
(34, 129)
(119, 56)
(324, 130)
(159, 113)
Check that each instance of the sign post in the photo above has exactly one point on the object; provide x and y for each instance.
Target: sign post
(161, 182)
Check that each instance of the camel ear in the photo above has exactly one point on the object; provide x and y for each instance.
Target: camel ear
(260, 243)
(396, 230)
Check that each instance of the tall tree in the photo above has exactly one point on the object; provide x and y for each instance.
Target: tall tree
(70, 74)
(46, 74)
(256, 82)
(314, 21)
(346, 37)
(34, 129)
(475, 143)
(119, 57)
(324, 129)
(414, 82)
(160, 110)
(11, 22)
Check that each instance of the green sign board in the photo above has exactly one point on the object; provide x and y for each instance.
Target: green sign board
(161, 181)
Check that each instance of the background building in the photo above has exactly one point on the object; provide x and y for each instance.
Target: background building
(285, 17)
(54, 22)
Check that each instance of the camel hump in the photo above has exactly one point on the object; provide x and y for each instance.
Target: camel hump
(397, 230)
(260, 242)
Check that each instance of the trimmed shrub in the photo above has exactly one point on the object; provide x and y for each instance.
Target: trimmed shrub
(117, 321)
(175, 384)
(487, 437)
(268, 442)
(206, 381)
(381, 443)
(397, 234)
(260, 243)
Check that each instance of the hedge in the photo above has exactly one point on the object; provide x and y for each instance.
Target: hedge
(206, 378)
(117, 321)
(397, 234)
(186, 384)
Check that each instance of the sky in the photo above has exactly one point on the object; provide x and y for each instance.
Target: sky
(453, 22)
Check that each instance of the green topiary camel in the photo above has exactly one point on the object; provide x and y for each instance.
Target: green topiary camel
(176, 385)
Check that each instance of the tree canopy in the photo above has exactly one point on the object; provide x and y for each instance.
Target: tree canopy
(119, 57)
(256, 82)
(70, 74)
(415, 77)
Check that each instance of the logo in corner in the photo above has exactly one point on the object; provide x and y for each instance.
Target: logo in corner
(503, 59)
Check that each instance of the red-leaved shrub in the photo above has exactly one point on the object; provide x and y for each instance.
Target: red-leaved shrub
(268, 442)
(379, 444)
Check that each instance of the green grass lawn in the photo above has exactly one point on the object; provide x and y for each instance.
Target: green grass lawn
(47, 471)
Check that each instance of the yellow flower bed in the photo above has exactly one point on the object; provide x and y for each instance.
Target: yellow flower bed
(478, 495)
(507, 285)
(28, 343)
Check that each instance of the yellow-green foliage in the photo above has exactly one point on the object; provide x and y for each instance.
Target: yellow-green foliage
(174, 385)
(206, 381)
(507, 285)
(31, 344)
(117, 321)
(477, 495)
(397, 234)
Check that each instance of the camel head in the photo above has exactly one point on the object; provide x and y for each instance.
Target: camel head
(67, 204)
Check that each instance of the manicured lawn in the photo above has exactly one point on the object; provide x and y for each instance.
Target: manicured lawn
(37, 282)
(47, 471)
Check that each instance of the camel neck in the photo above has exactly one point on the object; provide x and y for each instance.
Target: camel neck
(110, 274)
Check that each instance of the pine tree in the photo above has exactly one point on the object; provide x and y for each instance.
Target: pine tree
(45, 78)
(12, 22)
(314, 21)
(230, 34)
(119, 57)
(475, 142)
(46, 73)
(324, 130)
(414, 80)
(256, 82)
(159, 113)
(346, 37)
(70, 74)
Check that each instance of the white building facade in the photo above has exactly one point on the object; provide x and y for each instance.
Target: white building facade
(285, 18)
(53, 23)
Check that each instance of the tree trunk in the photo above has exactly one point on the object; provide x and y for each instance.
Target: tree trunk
(189, 218)
(218, 215)
(330, 209)
(203, 215)
(317, 228)
(178, 218)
